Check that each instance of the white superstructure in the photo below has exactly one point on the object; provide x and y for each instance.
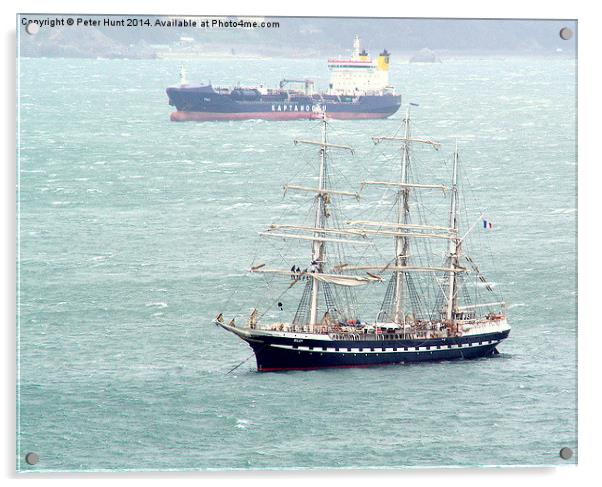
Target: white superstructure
(359, 75)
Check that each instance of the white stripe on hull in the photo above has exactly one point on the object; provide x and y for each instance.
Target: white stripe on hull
(431, 348)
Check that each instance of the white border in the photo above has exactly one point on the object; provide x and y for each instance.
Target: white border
(590, 84)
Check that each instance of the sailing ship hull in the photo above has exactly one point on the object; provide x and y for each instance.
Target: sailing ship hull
(277, 353)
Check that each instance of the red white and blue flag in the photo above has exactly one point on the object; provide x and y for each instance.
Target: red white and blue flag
(487, 225)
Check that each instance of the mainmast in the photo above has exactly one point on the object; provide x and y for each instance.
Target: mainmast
(318, 245)
(403, 229)
(401, 242)
(454, 244)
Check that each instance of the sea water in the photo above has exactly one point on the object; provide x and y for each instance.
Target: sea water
(134, 232)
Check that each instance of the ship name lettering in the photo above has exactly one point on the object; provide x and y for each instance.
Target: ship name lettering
(293, 108)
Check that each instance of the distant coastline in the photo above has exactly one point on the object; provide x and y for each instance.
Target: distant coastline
(305, 38)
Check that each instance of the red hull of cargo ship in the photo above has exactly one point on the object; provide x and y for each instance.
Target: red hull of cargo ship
(208, 116)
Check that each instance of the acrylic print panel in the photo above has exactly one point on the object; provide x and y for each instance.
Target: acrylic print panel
(408, 304)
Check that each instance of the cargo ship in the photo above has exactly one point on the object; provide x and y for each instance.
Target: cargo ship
(358, 89)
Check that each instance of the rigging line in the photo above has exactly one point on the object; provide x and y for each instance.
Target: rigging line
(419, 282)
(426, 285)
(350, 300)
(345, 297)
(235, 291)
(245, 360)
(341, 174)
(276, 249)
(384, 196)
(334, 131)
(364, 255)
(269, 280)
(308, 163)
(427, 245)
(307, 160)
(371, 156)
(347, 183)
(414, 299)
(278, 298)
(386, 159)
(287, 244)
(269, 283)
(482, 243)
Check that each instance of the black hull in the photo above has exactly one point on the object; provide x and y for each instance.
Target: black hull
(275, 353)
(203, 103)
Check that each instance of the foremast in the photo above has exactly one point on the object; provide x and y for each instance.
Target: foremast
(318, 244)
(319, 234)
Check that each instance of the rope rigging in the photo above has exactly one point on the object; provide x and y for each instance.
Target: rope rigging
(424, 295)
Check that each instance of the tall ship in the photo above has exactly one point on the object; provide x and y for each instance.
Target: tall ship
(358, 89)
(435, 303)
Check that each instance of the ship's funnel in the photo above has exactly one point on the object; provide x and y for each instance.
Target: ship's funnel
(382, 62)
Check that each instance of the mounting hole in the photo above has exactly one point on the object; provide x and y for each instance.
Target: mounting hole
(32, 28)
(565, 33)
(32, 458)
(566, 453)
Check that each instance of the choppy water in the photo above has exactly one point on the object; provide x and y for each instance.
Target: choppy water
(135, 230)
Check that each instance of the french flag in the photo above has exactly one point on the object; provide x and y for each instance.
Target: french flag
(487, 225)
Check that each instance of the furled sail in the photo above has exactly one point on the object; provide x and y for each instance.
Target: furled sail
(407, 140)
(337, 279)
(398, 225)
(348, 281)
(288, 187)
(394, 268)
(304, 228)
(315, 239)
(404, 185)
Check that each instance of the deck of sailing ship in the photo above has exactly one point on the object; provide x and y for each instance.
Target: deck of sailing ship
(458, 323)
